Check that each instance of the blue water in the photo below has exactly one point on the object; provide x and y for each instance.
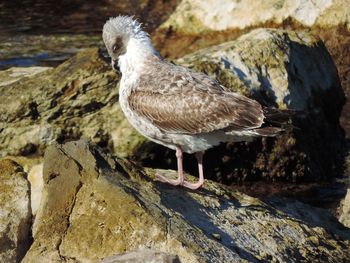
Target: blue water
(41, 59)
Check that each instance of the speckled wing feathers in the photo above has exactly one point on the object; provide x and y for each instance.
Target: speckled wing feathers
(177, 100)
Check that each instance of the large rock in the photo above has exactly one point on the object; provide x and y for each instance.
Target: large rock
(78, 98)
(15, 215)
(194, 16)
(287, 70)
(13, 75)
(95, 206)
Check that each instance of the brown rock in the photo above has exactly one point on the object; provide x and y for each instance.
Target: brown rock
(15, 215)
(95, 206)
(78, 98)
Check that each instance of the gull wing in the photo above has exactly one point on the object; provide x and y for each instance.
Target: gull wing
(177, 100)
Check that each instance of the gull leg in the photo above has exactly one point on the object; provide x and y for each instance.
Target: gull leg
(180, 179)
(195, 186)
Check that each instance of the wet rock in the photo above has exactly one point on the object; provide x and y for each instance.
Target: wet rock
(95, 206)
(78, 98)
(140, 256)
(286, 70)
(344, 217)
(198, 16)
(15, 216)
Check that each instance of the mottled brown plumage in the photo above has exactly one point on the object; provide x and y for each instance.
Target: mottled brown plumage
(177, 100)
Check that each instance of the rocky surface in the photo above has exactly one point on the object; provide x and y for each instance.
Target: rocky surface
(283, 69)
(141, 256)
(13, 75)
(198, 16)
(95, 206)
(78, 98)
(279, 68)
(15, 213)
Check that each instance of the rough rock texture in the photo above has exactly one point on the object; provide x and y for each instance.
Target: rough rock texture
(194, 16)
(15, 213)
(283, 69)
(141, 256)
(95, 206)
(12, 75)
(78, 98)
(344, 217)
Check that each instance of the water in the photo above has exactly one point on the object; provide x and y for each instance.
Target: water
(47, 32)
(23, 50)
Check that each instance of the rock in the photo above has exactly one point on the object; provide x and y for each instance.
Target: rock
(35, 177)
(12, 75)
(140, 256)
(344, 217)
(197, 16)
(78, 98)
(283, 69)
(95, 206)
(338, 13)
(15, 215)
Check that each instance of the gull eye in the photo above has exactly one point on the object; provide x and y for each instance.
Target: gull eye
(115, 48)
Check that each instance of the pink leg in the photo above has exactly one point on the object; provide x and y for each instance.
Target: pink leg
(180, 179)
(200, 182)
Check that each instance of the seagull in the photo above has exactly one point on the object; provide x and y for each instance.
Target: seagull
(174, 106)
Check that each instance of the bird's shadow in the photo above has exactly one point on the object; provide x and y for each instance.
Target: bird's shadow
(181, 201)
(205, 209)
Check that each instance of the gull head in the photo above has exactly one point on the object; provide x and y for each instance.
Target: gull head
(119, 32)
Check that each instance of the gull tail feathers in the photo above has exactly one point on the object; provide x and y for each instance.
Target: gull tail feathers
(268, 131)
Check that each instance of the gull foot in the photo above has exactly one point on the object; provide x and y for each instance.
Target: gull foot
(163, 179)
(193, 186)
